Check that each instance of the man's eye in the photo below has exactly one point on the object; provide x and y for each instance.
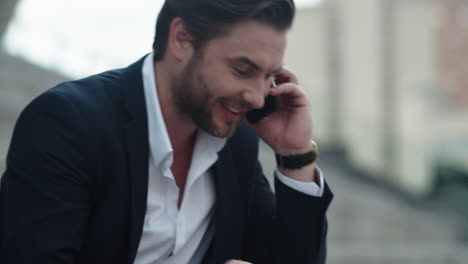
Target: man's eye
(242, 72)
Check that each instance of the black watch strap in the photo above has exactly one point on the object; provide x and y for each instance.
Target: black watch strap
(298, 161)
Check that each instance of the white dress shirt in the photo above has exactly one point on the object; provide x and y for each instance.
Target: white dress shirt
(172, 234)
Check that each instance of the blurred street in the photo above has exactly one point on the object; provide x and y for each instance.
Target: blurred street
(370, 224)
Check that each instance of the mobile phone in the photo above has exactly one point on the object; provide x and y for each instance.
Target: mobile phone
(271, 104)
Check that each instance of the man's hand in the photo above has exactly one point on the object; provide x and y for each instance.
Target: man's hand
(288, 130)
(232, 261)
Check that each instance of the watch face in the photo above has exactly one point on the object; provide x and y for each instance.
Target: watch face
(315, 147)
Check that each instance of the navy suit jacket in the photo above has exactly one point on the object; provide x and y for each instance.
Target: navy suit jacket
(75, 185)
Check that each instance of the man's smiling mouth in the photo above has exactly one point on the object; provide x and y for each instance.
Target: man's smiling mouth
(233, 109)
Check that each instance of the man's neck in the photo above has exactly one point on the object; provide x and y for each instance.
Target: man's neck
(180, 128)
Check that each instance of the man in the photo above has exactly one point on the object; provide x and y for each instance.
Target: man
(152, 163)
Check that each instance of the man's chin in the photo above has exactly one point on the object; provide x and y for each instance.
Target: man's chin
(226, 130)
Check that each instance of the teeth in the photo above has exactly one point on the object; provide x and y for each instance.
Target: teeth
(234, 110)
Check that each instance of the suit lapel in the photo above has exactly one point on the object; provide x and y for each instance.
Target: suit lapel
(136, 137)
(227, 239)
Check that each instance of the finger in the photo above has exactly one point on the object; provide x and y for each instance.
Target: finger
(285, 75)
(290, 88)
(290, 94)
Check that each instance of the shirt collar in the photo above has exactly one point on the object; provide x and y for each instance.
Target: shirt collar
(160, 145)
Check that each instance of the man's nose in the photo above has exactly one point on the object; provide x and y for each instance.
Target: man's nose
(255, 96)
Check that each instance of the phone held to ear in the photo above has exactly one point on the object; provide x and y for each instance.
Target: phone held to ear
(271, 104)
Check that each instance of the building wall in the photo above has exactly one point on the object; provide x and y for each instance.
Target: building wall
(306, 56)
(452, 43)
(362, 79)
(377, 83)
(388, 58)
(413, 53)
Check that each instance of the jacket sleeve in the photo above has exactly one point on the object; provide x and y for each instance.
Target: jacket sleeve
(289, 227)
(44, 194)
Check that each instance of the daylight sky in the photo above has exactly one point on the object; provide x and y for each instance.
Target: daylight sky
(78, 38)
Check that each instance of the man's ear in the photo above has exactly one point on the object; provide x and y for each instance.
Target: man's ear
(180, 40)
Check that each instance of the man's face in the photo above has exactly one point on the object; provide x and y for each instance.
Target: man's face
(229, 76)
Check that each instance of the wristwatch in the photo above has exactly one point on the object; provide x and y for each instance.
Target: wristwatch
(299, 160)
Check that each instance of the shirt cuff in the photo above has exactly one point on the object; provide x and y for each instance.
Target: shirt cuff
(310, 188)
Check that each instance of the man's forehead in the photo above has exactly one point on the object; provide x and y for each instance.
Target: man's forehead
(252, 34)
(251, 43)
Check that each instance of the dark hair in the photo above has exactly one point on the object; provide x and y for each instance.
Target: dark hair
(207, 19)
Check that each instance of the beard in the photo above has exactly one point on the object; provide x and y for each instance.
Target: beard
(194, 98)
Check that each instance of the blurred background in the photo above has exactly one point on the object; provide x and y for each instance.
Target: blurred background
(388, 81)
